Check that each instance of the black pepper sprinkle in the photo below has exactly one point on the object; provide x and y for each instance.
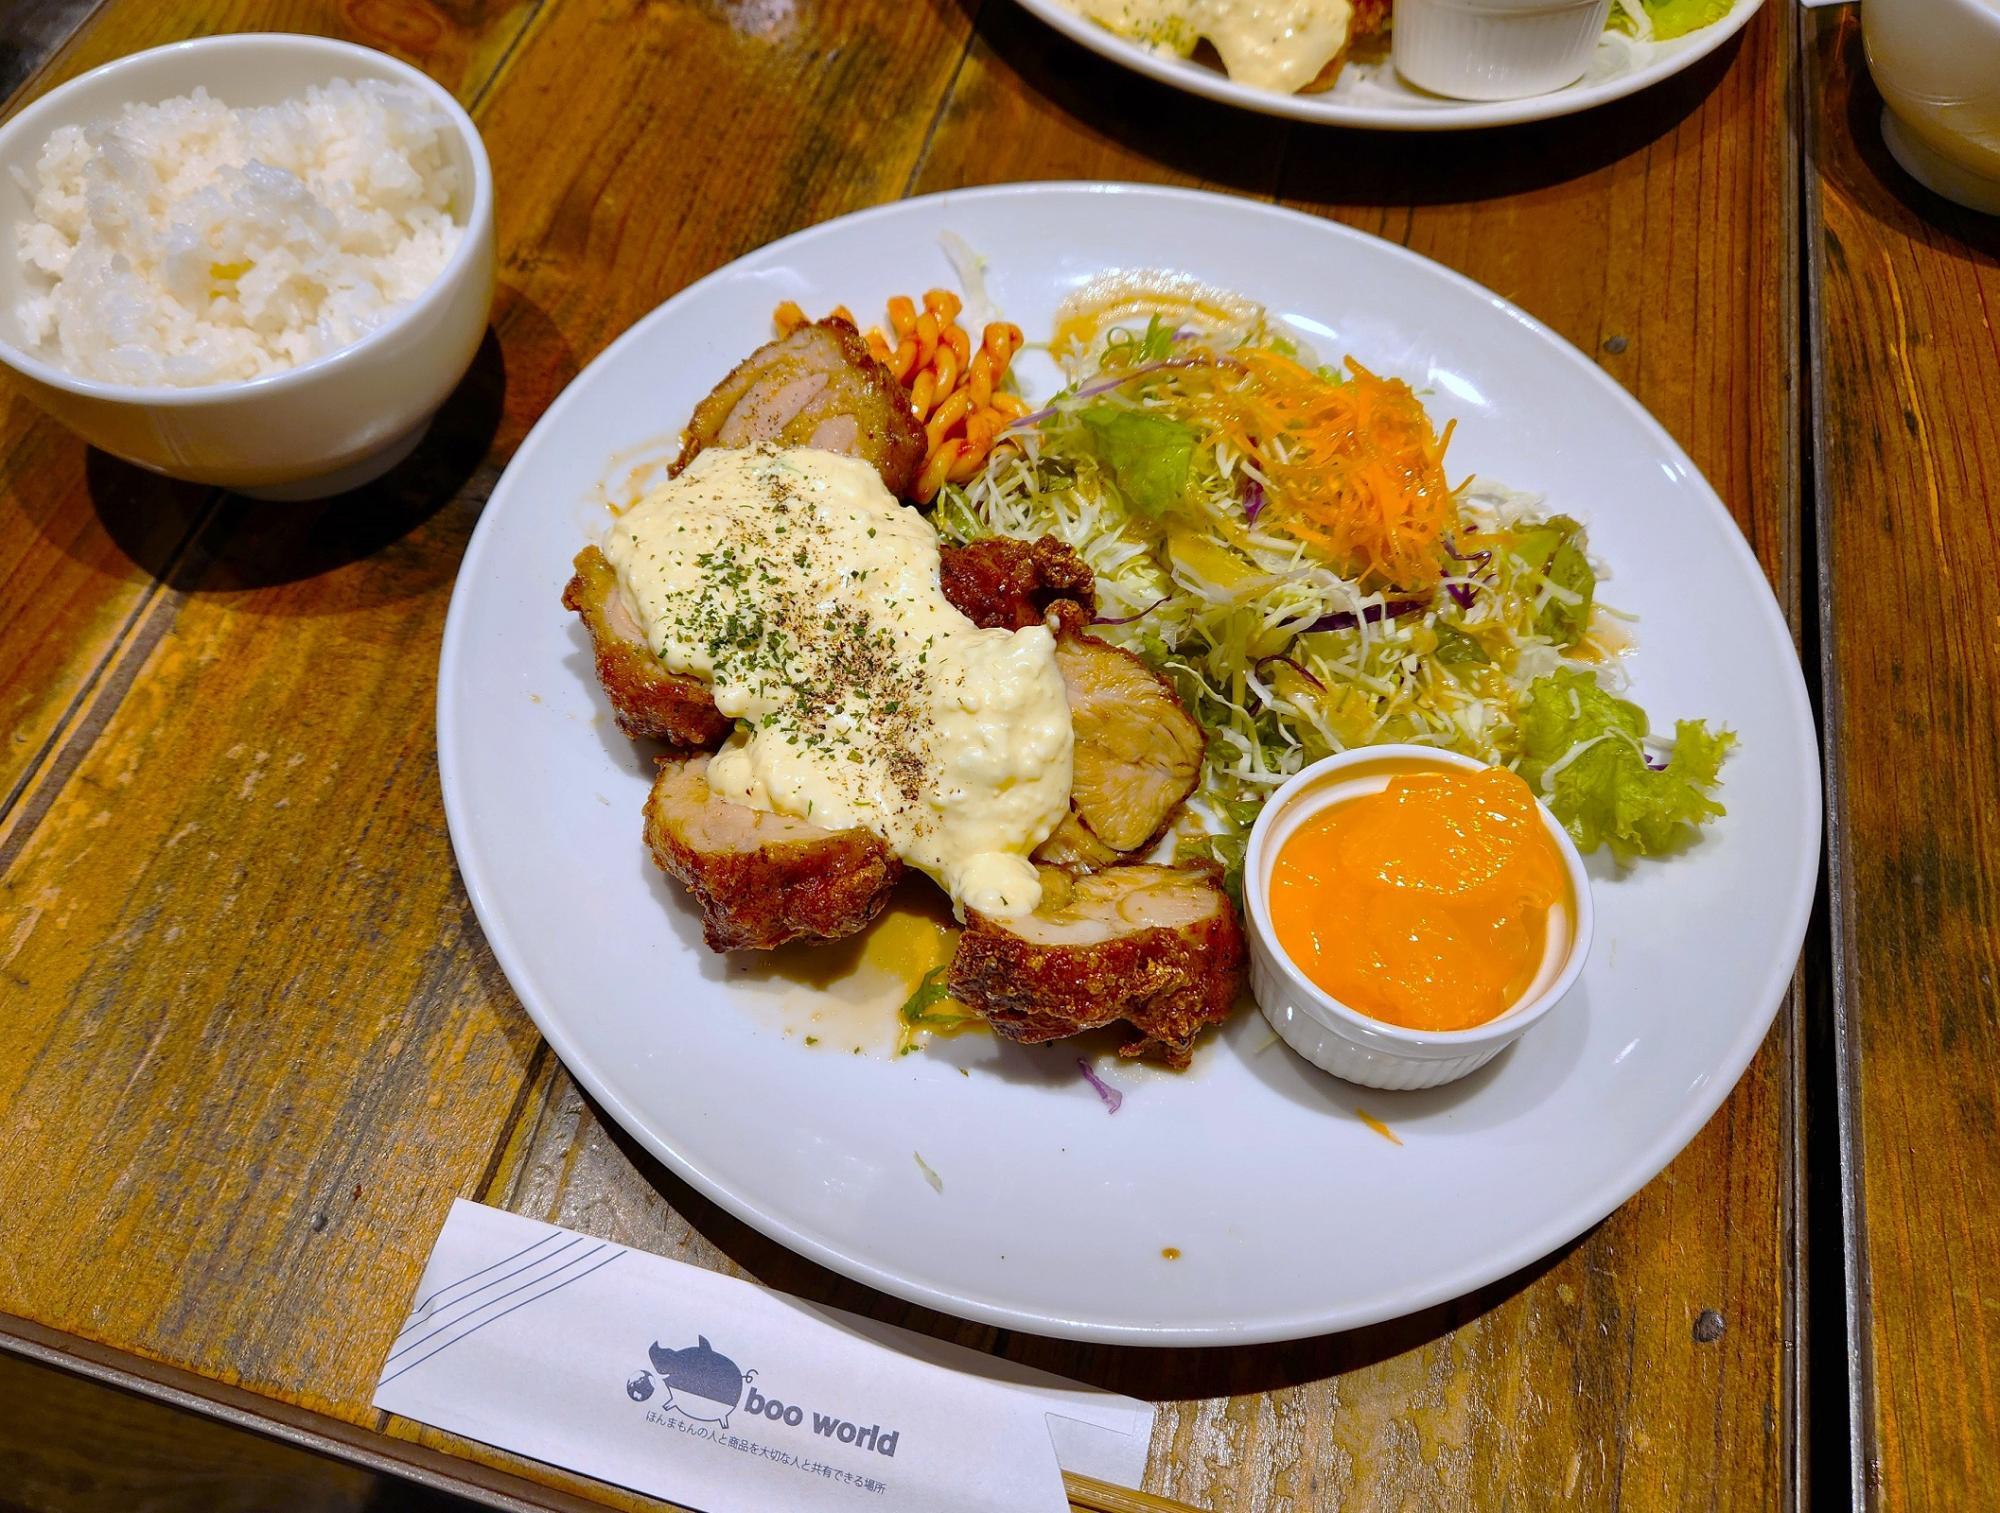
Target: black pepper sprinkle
(833, 672)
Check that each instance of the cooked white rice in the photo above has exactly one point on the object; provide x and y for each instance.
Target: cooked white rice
(186, 243)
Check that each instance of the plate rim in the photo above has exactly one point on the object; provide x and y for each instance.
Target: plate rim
(1572, 1220)
(1324, 110)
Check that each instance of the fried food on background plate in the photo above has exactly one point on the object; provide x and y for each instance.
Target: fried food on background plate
(1159, 948)
(819, 387)
(762, 879)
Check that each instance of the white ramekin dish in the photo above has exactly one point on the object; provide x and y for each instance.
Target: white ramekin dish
(1326, 1031)
(1495, 49)
(1937, 63)
(326, 425)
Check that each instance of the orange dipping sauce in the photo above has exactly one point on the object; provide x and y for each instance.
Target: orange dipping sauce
(1426, 904)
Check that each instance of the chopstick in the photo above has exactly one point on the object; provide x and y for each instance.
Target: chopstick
(1094, 1496)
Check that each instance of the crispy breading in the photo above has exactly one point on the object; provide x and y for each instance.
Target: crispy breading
(762, 879)
(648, 701)
(1002, 584)
(818, 387)
(1159, 948)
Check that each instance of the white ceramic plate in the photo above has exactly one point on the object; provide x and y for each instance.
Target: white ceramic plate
(1291, 1216)
(1369, 93)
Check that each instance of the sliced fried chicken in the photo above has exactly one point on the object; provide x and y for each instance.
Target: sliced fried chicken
(818, 387)
(762, 879)
(648, 701)
(1137, 754)
(1159, 948)
(1001, 584)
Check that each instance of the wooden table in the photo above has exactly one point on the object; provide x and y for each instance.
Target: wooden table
(254, 1043)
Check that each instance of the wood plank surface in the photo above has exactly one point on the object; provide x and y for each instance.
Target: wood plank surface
(260, 1042)
(230, 1011)
(114, 538)
(1907, 357)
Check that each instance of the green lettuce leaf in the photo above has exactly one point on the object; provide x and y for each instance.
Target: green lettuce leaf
(1581, 752)
(1149, 456)
(1557, 550)
(1456, 649)
(1676, 18)
(1226, 851)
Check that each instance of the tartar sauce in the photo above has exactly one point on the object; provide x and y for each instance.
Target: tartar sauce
(795, 583)
(1267, 44)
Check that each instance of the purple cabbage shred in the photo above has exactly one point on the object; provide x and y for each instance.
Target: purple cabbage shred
(1462, 593)
(1111, 1096)
(1374, 614)
(1106, 385)
(1253, 501)
(1128, 619)
(1294, 667)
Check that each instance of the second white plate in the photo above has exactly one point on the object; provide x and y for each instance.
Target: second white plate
(1369, 93)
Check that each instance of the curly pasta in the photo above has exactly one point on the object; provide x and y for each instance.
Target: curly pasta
(955, 387)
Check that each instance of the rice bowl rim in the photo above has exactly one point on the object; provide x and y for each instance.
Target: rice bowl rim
(478, 214)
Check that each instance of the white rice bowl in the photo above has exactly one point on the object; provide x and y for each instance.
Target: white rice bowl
(185, 243)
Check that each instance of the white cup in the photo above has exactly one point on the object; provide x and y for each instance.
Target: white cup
(1495, 49)
(1937, 63)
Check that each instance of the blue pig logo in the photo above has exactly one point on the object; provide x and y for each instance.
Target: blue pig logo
(699, 1381)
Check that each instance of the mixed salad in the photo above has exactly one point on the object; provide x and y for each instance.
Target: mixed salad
(1280, 537)
(1663, 20)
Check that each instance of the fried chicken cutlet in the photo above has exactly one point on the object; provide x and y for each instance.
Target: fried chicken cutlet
(649, 701)
(1159, 948)
(762, 879)
(818, 387)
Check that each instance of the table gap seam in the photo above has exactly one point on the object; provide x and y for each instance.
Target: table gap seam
(1838, 1064)
(945, 97)
(39, 69)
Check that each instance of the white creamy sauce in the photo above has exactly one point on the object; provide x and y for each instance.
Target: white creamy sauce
(797, 585)
(1267, 44)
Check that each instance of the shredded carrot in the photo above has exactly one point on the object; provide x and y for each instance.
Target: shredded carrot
(954, 386)
(1354, 469)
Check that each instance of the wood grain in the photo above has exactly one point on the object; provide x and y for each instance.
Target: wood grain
(260, 1041)
(229, 1012)
(244, 1061)
(1907, 353)
(1662, 239)
(113, 538)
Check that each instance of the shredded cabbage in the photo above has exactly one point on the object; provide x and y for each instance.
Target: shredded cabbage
(1285, 655)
